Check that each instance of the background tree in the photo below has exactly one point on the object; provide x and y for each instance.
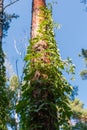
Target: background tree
(83, 73)
(79, 117)
(14, 98)
(4, 102)
(84, 2)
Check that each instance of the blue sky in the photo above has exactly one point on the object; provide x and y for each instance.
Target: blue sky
(71, 37)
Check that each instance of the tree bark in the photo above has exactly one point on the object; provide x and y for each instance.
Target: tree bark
(36, 19)
(1, 20)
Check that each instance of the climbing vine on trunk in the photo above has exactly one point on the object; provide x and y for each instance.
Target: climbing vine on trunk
(45, 94)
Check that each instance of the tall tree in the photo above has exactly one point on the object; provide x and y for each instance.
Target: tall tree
(43, 116)
(45, 93)
(4, 99)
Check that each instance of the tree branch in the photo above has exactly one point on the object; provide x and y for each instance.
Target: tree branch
(10, 4)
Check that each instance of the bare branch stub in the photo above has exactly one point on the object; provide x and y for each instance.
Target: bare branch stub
(11, 3)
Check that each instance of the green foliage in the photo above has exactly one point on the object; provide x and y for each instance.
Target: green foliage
(3, 96)
(7, 19)
(80, 126)
(4, 91)
(83, 72)
(14, 83)
(79, 115)
(78, 120)
(6, 96)
(14, 98)
(77, 108)
(47, 94)
(69, 67)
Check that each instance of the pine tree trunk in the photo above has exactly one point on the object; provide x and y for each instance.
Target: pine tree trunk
(43, 117)
(36, 19)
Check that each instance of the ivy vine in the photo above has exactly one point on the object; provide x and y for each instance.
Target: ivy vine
(45, 91)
